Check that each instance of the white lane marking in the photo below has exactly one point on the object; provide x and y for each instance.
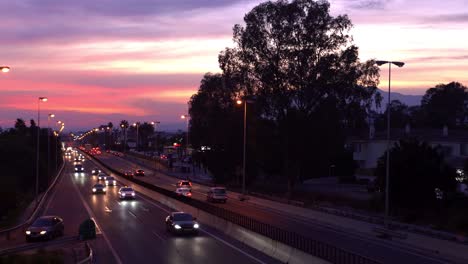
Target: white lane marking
(108, 210)
(134, 215)
(232, 246)
(98, 229)
(158, 236)
(144, 209)
(91, 214)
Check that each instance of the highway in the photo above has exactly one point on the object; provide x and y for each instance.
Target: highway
(134, 231)
(378, 249)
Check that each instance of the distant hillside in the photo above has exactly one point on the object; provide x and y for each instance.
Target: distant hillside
(409, 100)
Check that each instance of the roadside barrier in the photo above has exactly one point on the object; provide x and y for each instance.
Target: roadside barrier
(305, 244)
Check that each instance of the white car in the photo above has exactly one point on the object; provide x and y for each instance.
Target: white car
(110, 181)
(126, 193)
(185, 192)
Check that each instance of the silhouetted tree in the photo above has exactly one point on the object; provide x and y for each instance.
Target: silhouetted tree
(417, 169)
(446, 104)
(298, 61)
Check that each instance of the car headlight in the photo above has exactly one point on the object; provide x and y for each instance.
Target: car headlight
(28, 232)
(76, 169)
(133, 194)
(103, 189)
(114, 182)
(123, 194)
(196, 225)
(94, 189)
(177, 227)
(43, 232)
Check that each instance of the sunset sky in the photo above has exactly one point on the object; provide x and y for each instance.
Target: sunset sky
(141, 60)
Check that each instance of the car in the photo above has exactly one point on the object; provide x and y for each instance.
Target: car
(96, 171)
(128, 174)
(45, 227)
(76, 161)
(79, 168)
(99, 188)
(180, 222)
(139, 172)
(184, 192)
(102, 176)
(110, 181)
(184, 183)
(126, 193)
(217, 194)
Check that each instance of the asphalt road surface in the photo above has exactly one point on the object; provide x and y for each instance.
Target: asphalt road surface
(374, 248)
(133, 231)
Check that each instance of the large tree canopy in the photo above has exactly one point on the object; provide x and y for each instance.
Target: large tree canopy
(446, 104)
(299, 63)
(295, 55)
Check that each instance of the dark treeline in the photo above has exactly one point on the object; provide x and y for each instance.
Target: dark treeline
(306, 87)
(18, 164)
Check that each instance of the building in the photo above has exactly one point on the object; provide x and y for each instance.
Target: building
(369, 146)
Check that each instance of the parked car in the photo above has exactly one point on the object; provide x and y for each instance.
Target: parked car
(45, 227)
(217, 194)
(180, 222)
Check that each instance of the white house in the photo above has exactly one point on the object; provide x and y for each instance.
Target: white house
(369, 146)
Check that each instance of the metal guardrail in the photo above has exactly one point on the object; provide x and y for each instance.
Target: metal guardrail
(7, 232)
(316, 248)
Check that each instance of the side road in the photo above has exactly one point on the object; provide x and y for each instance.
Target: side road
(436, 243)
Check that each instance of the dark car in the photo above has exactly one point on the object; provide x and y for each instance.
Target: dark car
(45, 227)
(128, 174)
(184, 183)
(180, 222)
(99, 188)
(96, 171)
(139, 172)
(79, 168)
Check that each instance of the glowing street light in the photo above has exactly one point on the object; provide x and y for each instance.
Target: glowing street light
(49, 116)
(245, 102)
(40, 99)
(4, 69)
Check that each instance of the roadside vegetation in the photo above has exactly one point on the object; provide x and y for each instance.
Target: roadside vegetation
(18, 167)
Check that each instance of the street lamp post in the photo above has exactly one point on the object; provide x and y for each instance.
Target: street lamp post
(137, 125)
(40, 99)
(49, 116)
(245, 102)
(186, 117)
(56, 155)
(154, 123)
(387, 172)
